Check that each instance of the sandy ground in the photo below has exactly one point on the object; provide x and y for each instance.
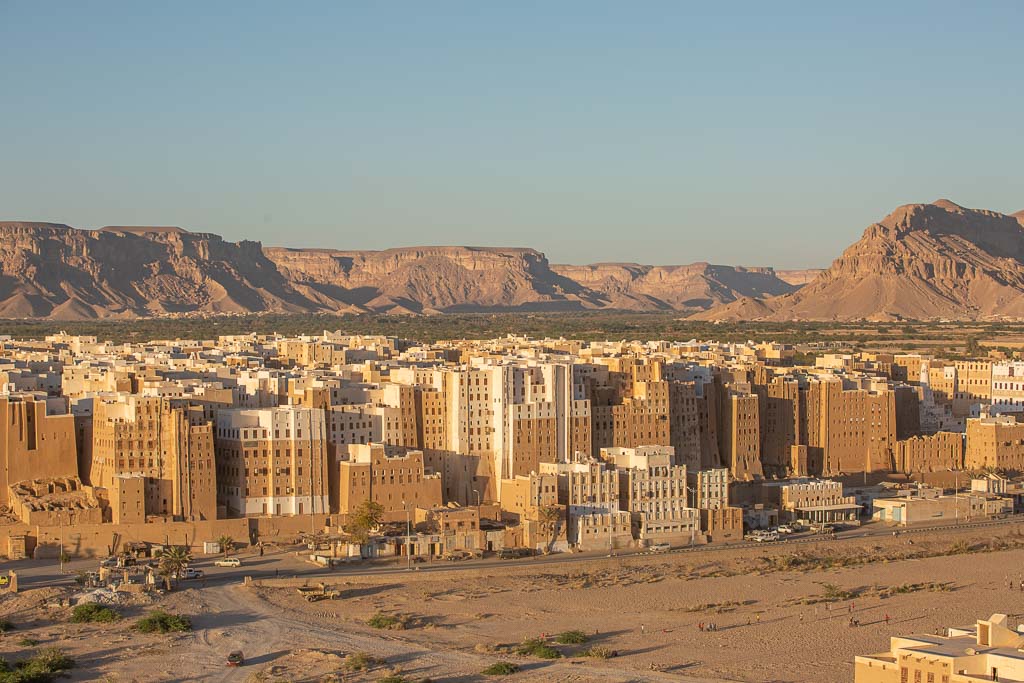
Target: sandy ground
(773, 623)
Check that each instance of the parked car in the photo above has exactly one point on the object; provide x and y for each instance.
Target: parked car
(660, 548)
(228, 562)
(190, 573)
(514, 553)
(236, 658)
(786, 529)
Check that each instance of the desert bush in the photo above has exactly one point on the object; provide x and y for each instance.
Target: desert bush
(535, 647)
(392, 622)
(501, 669)
(959, 548)
(46, 665)
(159, 621)
(90, 612)
(571, 638)
(360, 661)
(6, 626)
(597, 652)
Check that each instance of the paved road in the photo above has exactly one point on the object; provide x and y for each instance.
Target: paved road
(285, 563)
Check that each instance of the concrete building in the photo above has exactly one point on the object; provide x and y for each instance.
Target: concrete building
(740, 434)
(913, 509)
(987, 651)
(398, 483)
(848, 430)
(272, 461)
(933, 453)
(817, 501)
(654, 492)
(170, 446)
(995, 442)
(590, 491)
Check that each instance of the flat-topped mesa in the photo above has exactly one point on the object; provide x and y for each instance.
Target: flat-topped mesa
(143, 229)
(53, 270)
(32, 226)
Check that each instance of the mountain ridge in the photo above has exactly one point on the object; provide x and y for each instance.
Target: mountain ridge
(53, 270)
(937, 260)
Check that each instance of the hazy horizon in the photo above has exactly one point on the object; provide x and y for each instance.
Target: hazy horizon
(661, 134)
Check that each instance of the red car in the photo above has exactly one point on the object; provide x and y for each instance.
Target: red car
(236, 658)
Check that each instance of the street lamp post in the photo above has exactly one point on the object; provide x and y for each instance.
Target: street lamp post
(696, 519)
(60, 517)
(477, 497)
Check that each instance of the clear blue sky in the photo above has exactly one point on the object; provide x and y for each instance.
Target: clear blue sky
(749, 133)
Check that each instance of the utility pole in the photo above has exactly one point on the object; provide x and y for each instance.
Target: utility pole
(61, 518)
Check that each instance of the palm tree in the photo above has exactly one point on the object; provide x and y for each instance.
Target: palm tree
(173, 561)
(226, 543)
(549, 517)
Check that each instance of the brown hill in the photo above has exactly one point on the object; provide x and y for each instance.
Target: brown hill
(922, 261)
(50, 270)
(694, 286)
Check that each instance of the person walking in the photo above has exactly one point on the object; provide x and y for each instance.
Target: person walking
(886, 619)
(701, 626)
(641, 629)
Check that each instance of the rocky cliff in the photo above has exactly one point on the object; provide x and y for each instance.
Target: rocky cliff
(922, 261)
(50, 270)
(689, 287)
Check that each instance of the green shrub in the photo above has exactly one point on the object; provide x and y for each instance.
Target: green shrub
(501, 669)
(6, 626)
(159, 621)
(28, 642)
(43, 667)
(91, 612)
(360, 661)
(571, 638)
(535, 647)
(393, 622)
(393, 679)
(597, 652)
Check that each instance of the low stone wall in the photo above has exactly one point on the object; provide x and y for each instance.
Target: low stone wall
(94, 540)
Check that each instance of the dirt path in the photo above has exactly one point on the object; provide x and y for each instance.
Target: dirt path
(238, 619)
